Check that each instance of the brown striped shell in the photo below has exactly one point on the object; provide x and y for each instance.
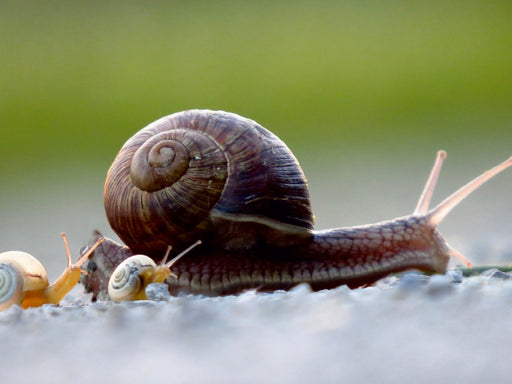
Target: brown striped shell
(208, 175)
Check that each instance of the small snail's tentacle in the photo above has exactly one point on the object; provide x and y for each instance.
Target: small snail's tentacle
(175, 259)
(166, 256)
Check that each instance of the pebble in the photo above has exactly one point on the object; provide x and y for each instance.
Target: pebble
(158, 292)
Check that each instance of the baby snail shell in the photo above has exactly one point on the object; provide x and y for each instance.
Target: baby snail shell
(24, 281)
(19, 272)
(226, 180)
(131, 278)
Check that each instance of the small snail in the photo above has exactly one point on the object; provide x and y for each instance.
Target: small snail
(23, 279)
(226, 180)
(131, 278)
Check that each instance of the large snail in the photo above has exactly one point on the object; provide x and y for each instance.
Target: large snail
(23, 279)
(224, 179)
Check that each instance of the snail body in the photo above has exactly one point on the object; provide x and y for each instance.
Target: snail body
(24, 281)
(224, 179)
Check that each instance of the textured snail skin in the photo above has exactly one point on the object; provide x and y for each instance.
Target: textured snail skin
(240, 190)
(354, 256)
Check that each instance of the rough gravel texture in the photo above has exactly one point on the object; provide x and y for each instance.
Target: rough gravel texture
(410, 328)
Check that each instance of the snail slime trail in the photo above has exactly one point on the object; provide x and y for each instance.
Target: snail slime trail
(225, 180)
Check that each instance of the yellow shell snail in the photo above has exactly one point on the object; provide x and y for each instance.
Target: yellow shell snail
(23, 279)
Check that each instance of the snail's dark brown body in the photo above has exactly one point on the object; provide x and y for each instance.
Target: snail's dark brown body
(225, 180)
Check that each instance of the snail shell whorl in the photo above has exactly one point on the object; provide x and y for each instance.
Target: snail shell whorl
(19, 272)
(128, 279)
(159, 162)
(11, 286)
(173, 179)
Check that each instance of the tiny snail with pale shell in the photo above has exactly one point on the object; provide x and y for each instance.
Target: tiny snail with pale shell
(131, 278)
(226, 180)
(24, 281)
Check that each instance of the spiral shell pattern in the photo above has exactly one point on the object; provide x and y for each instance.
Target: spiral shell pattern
(11, 286)
(175, 177)
(127, 280)
(19, 272)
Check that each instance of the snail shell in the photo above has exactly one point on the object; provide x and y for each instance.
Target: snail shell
(206, 175)
(19, 272)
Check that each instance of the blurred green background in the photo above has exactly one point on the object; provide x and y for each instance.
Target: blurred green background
(357, 89)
